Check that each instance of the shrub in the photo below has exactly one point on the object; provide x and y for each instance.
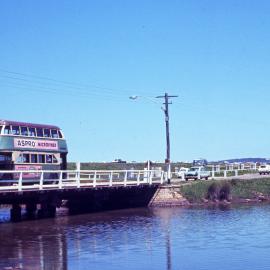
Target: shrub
(225, 192)
(213, 192)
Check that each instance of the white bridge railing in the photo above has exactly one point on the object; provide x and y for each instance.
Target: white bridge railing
(45, 180)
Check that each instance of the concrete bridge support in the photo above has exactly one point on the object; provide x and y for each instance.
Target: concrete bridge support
(46, 210)
(31, 209)
(15, 213)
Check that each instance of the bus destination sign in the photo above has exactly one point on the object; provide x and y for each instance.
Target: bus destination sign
(36, 144)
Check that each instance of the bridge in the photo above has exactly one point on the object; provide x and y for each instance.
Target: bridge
(40, 192)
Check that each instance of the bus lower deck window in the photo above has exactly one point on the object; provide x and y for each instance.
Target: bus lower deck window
(41, 158)
(34, 158)
(19, 159)
(48, 158)
(26, 158)
(54, 159)
(5, 157)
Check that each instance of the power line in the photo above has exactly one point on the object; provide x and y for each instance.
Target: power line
(59, 90)
(69, 84)
(51, 91)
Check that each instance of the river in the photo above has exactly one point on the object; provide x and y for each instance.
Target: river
(162, 238)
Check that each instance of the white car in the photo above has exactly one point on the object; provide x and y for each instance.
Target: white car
(181, 173)
(197, 172)
(264, 169)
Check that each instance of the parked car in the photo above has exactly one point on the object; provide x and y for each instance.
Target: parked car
(264, 169)
(198, 172)
(181, 173)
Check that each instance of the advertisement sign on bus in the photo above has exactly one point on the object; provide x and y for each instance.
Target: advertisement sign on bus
(36, 144)
(28, 168)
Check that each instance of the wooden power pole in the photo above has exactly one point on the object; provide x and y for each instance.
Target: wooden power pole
(168, 152)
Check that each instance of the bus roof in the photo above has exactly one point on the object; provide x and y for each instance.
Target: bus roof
(14, 123)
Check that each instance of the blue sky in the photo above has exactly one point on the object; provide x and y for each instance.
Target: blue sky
(75, 63)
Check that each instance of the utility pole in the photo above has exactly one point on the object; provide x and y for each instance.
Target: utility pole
(168, 154)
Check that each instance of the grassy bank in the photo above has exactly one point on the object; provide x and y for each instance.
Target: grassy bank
(230, 190)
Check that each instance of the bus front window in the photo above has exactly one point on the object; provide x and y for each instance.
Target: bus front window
(7, 130)
(54, 133)
(60, 134)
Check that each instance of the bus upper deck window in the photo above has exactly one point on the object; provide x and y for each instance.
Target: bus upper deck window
(60, 134)
(24, 131)
(39, 132)
(7, 130)
(32, 132)
(54, 133)
(47, 133)
(15, 130)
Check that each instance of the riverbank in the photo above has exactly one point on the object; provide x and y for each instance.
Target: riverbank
(226, 191)
(212, 192)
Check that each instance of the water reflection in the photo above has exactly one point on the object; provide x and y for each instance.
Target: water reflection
(141, 239)
(24, 246)
(49, 244)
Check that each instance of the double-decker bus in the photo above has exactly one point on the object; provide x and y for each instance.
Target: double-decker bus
(26, 146)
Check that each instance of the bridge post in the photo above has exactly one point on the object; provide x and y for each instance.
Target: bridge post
(213, 172)
(60, 180)
(111, 178)
(20, 182)
(95, 179)
(161, 177)
(16, 213)
(138, 178)
(150, 177)
(78, 179)
(125, 179)
(41, 181)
